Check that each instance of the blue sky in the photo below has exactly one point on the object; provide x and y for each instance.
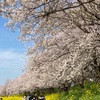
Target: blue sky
(12, 54)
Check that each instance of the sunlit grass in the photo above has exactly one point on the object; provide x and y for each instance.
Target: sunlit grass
(91, 91)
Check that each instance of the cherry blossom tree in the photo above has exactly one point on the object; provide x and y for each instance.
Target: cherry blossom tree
(79, 62)
(65, 41)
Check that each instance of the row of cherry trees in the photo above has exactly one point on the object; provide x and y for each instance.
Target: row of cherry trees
(65, 42)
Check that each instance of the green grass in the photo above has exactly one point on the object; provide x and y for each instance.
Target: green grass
(91, 91)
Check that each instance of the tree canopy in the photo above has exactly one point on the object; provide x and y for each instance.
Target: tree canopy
(65, 37)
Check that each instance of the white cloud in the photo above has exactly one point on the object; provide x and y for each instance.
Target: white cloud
(11, 59)
(11, 64)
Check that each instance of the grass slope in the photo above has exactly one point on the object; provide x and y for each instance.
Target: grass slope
(91, 91)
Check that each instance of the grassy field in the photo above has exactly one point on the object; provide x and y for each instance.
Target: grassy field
(91, 91)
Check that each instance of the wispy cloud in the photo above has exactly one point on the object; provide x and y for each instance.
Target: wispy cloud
(11, 64)
(11, 58)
